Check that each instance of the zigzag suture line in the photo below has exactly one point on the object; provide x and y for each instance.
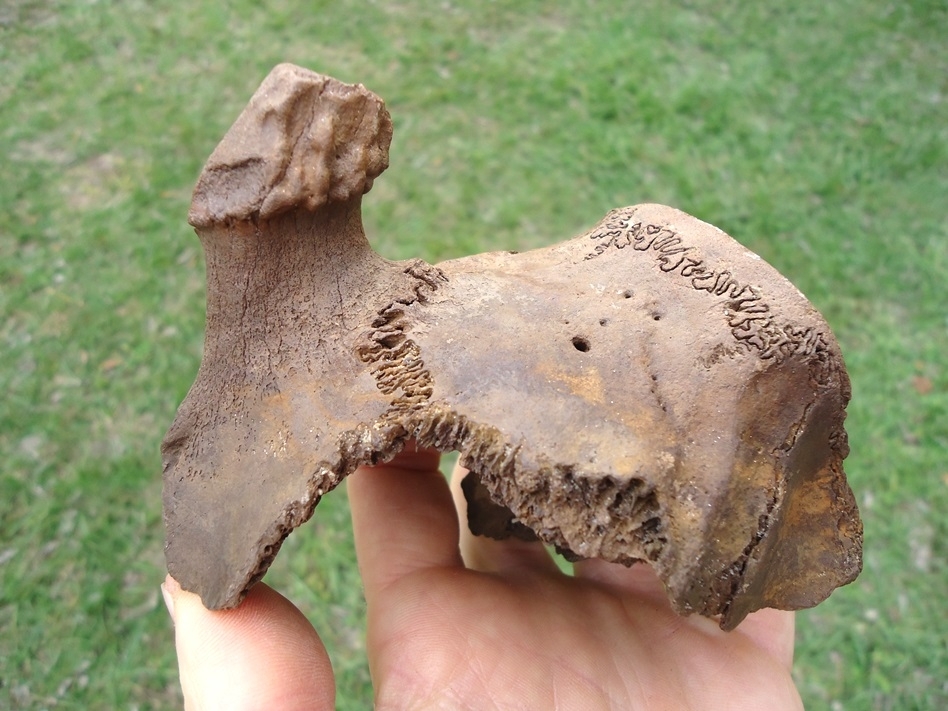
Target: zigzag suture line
(398, 367)
(749, 317)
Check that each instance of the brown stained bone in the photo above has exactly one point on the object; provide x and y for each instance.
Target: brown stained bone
(647, 391)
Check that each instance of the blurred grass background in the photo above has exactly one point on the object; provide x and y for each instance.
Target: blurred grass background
(813, 132)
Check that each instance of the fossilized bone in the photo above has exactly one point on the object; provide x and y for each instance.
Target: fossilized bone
(647, 391)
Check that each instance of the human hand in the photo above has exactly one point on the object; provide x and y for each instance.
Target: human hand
(457, 621)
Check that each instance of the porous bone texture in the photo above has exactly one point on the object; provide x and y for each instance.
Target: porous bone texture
(647, 391)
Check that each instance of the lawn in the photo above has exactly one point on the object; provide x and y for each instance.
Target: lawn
(815, 133)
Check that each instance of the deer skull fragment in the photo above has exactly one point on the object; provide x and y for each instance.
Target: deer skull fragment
(647, 391)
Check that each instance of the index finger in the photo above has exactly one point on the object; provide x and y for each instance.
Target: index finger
(403, 519)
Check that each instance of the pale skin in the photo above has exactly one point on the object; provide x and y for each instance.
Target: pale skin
(462, 622)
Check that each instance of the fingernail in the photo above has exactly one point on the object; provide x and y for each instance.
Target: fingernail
(169, 601)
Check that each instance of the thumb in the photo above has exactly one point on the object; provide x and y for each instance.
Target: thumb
(263, 654)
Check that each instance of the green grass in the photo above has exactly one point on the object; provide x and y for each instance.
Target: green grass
(813, 132)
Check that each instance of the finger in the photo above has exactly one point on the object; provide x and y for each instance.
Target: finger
(493, 556)
(403, 519)
(262, 654)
